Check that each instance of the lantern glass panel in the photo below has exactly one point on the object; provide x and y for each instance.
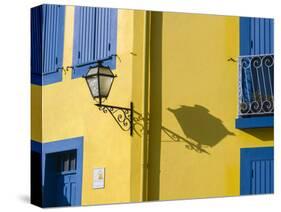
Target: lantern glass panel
(100, 80)
(105, 85)
(93, 85)
(93, 71)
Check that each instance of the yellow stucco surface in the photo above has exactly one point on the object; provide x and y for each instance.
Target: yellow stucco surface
(174, 69)
(195, 90)
(69, 111)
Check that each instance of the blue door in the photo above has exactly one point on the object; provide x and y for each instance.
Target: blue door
(61, 179)
(257, 171)
(57, 169)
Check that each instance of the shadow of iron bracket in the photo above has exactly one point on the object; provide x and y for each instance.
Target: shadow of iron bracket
(190, 145)
(123, 116)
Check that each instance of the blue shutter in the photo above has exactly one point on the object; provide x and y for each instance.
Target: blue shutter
(95, 32)
(36, 40)
(47, 35)
(256, 36)
(257, 171)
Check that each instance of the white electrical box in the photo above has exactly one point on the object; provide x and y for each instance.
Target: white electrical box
(98, 178)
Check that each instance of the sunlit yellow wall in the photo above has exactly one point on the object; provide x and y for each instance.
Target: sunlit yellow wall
(69, 111)
(192, 69)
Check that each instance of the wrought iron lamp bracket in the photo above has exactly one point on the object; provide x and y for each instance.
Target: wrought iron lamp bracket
(123, 116)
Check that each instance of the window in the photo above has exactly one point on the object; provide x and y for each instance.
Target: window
(95, 32)
(66, 161)
(256, 73)
(47, 38)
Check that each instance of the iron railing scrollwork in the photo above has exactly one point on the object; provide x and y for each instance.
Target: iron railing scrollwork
(256, 93)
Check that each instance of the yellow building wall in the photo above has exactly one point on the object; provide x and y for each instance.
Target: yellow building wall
(174, 68)
(194, 99)
(36, 112)
(68, 111)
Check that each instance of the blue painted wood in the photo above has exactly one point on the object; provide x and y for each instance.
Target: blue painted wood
(254, 122)
(36, 39)
(262, 176)
(271, 35)
(50, 183)
(267, 176)
(245, 33)
(262, 35)
(253, 176)
(256, 170)
(256, 36)
(36, 147)
(271, 176)
(95, 37)
(47, 39)
(67, 191)
(48, 163)
(66, 178)
(258, 177)
(262, 179)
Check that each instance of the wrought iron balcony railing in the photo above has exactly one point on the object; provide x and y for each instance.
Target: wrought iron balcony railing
(256, 89)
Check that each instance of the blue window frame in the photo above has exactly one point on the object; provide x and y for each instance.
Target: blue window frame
(61, 164)
(256, 73)
(95, 35)
(257, 170)
(47, 38)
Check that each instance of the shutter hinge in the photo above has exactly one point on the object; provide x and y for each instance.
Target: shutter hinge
(79, 54)
(109, 46)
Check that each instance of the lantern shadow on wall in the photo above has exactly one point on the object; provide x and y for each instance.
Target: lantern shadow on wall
(201, 129)
(199, 125)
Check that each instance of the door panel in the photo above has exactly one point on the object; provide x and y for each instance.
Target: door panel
(257, 174)
(62, 178)
(262, 177)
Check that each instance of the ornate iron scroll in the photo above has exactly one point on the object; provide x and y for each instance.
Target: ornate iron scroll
(256, 93)
(123, 116)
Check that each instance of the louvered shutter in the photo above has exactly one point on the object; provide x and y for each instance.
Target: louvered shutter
(94, 38)
(256, 36)
(47, 38)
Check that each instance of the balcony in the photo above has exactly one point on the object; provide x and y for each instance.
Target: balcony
(256, 91)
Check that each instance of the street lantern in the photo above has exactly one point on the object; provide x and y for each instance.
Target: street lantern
(99, 80)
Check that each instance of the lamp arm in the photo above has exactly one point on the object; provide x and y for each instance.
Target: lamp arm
(123, 116)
